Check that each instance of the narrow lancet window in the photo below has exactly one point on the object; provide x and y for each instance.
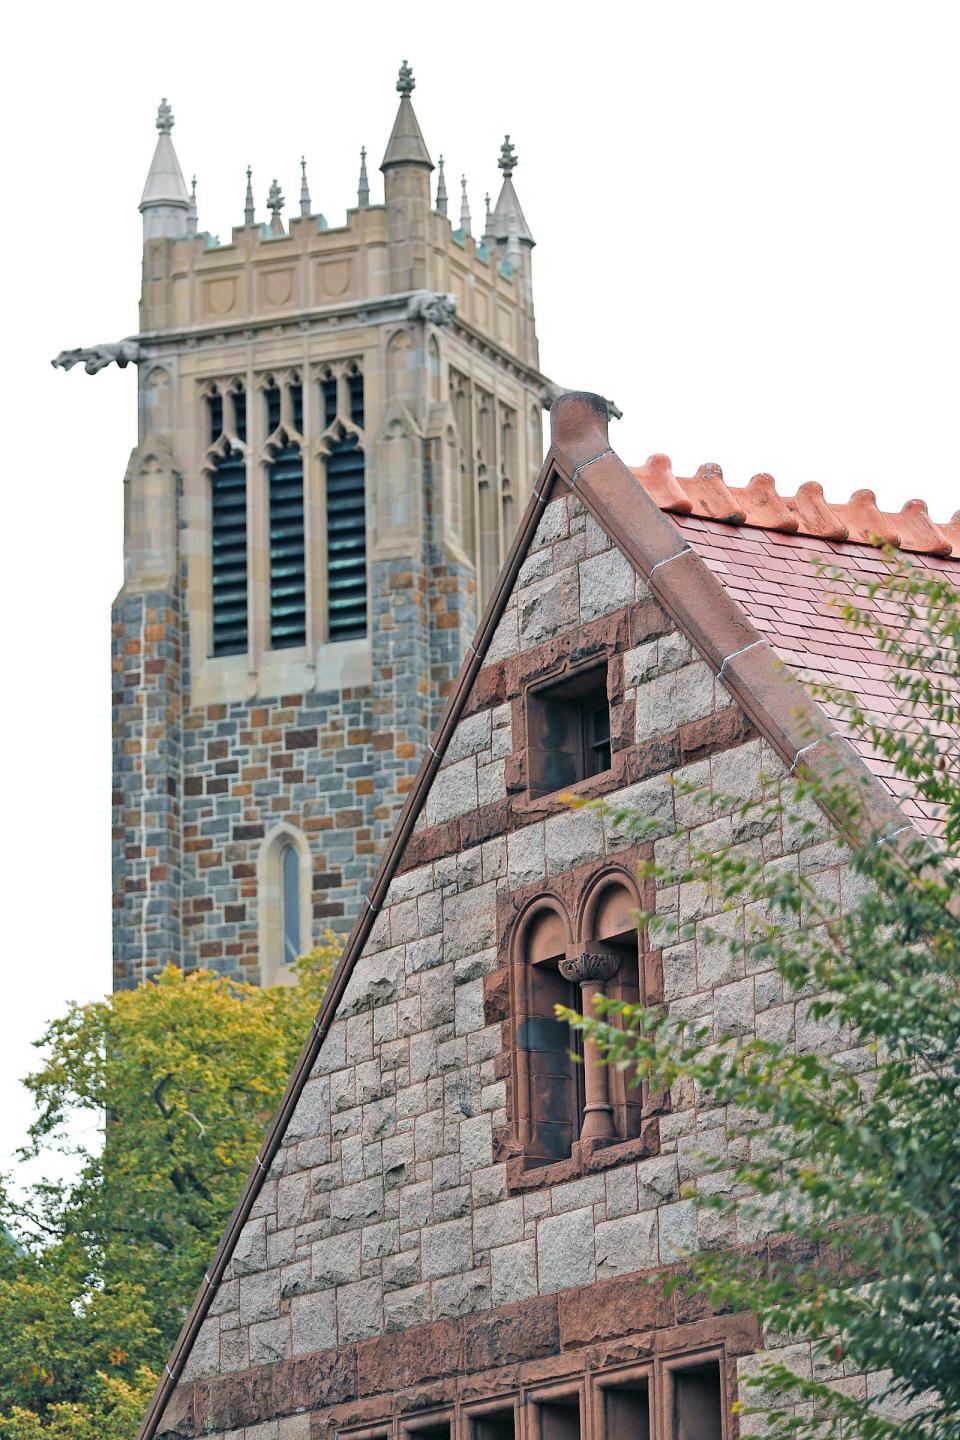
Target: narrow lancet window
(288, 596)
(290, 903)
(346, 541)
(228, 537)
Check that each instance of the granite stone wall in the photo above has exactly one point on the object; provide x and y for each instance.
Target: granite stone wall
(393, 1202)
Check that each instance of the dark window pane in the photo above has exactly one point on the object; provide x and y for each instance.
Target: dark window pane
(215, 411)
(568, 732)
(272, 397)
(697, 1403)
(355, 388)
(240, 413)
(296, 402)
(328, 393)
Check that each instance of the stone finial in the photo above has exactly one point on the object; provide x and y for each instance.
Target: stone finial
(164, 117)
(192, 208)
(488, 219)
(465, 220)
(508, 157)
(304, 187)
(441, 188)
(275, 203)
(249, 213)
(363, 187)
(405, 80)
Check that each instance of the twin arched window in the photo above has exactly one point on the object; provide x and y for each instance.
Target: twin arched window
(564, 1097)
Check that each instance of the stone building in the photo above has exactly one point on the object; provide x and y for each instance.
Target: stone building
(444, 1230)
(338, 430)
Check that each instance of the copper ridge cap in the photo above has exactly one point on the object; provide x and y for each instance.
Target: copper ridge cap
(859, 520)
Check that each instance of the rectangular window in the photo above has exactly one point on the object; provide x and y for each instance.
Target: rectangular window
(568, 731)
(626, 1412)
(559, 1419)
(494, 1425)
(696, 1403)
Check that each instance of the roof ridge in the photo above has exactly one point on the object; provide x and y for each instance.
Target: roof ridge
(759, 504)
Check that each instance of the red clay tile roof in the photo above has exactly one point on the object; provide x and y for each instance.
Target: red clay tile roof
(763, 547)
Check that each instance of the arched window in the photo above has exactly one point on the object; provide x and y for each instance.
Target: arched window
(609, 928)
(284, 917)
(290, 903)
(549, 1079)
(346, 540)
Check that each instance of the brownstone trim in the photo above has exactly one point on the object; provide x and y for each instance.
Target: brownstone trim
(480, 1362)
(775, 701)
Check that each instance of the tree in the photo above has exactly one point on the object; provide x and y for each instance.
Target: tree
(96, 1276)
(836, 1193)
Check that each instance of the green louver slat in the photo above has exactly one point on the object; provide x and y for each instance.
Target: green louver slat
(346, 542)
(288, 588)
(228, 529)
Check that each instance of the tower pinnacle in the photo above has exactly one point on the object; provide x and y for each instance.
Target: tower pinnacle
(508, 217)
(249, 212)
(406, 145)
(441, 189)
(275, 203)
(304, 188)
(508, 157)
(164, 203)
(192, 208)
(465, 220)
(363, 185)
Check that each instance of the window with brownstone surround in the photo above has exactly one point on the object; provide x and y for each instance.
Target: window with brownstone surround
(568, 945)
(679, 1396)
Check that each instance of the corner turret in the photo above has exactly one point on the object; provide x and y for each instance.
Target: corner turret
(165, 202)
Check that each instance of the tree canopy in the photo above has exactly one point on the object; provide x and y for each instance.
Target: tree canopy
(160, 1097)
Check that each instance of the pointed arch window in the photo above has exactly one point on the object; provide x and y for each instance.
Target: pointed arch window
(290, 904)
(346, 539)
(288, 573)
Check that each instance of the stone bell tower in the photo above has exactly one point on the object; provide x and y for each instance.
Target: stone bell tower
(338, 427)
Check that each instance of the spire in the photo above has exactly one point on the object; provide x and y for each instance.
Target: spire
(441, 188)
(363, 186)
(406, 145)
(507, 202)
(304, 188)
(164, 202)
(192, 208)
(249, 213)
(465, 220)
(488, 235)
(275, 203)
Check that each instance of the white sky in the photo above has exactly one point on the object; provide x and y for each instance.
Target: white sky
(746, 218)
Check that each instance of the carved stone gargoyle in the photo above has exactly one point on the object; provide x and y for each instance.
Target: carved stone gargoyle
(438, 308)
(98, 357)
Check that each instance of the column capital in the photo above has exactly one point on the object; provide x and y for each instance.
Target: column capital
(590, 967)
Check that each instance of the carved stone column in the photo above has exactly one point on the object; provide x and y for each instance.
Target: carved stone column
(591, 970)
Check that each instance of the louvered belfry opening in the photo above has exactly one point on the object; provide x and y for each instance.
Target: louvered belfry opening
(346, 541)
(288, 591)
(228, 525)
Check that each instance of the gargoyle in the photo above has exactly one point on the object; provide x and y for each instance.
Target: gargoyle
(439, 309)
(98, 357)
